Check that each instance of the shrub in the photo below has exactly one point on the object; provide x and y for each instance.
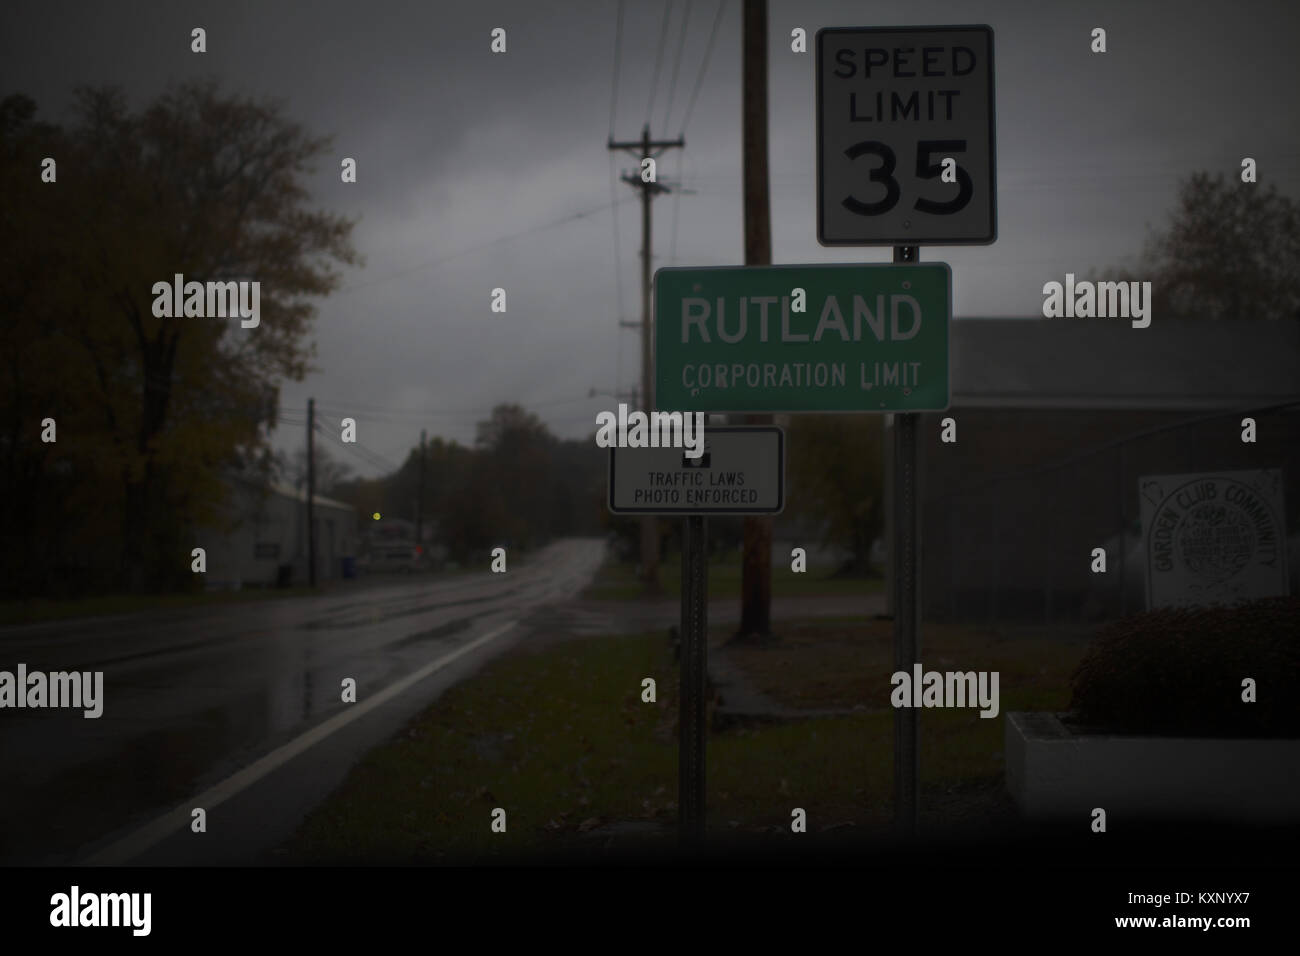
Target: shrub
(1178, 672)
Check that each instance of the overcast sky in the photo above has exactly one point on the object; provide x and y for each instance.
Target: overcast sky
(474, 167)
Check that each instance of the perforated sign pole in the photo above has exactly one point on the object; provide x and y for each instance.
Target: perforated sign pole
(739, 470)
(694, 664)
(907, 632)
(906, 157)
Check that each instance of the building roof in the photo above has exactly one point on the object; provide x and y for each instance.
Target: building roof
(288, 491)
(1106, 363)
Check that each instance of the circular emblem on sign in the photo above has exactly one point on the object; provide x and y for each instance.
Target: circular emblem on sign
(1215, 541)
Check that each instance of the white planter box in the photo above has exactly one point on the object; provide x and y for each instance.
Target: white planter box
(1054, 773)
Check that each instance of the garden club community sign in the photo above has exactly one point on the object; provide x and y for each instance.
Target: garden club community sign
(1213, 538)
(806, 338)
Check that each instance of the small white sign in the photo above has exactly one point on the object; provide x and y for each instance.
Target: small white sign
(742, 471)
(1216, 538)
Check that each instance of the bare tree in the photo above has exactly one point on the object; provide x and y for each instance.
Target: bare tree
(1231, 250)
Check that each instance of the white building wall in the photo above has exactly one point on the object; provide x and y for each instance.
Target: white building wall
(272, 531)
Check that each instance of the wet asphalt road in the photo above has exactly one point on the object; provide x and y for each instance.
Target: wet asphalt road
(241, 705)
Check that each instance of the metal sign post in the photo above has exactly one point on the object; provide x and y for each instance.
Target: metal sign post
(906, 156)
(694, 671)
(907, 632)
(741, 472)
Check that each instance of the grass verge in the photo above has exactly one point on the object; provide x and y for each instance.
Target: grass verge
(558, 737)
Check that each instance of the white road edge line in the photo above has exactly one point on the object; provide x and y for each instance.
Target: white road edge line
(150, 834)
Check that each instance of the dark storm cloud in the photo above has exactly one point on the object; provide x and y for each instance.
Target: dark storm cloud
(460, 150)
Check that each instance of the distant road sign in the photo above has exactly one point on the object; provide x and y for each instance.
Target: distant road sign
(871, 338)
(892, 104)
(741, 472)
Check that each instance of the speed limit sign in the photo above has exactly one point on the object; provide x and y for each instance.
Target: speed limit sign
(905, 145)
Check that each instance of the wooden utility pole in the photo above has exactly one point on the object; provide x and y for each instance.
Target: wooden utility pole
(756, 570)
(311, 492)
(419, 501)
(646, 148)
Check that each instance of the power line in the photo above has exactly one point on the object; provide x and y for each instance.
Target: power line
(411, 417)
(353, 446)
(613, 190)
(371, 458)
(479, 248)
(719, 185)
(384, 418)
(618, 366)
(375, 414)
(1057, 174)
(677, 62)
(659, 58)
(704, 65)
(618, 56)
(350, 408)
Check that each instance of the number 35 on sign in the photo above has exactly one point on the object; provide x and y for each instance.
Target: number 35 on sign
(905, 136)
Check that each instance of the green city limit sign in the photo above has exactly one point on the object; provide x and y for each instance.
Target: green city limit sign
(869, 338)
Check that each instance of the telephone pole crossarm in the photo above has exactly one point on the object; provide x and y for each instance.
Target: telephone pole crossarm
(651, 187)
(638, 147)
